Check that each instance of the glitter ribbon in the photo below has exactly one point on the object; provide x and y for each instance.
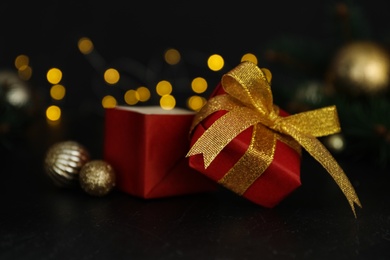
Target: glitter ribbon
(249, 102)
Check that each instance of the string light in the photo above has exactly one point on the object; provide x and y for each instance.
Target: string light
(172, 56)
(143, 93)
(25, 72)
(199, 85)
(22, 64)
(215, 62)
(21, 61)
(163, 87)
(57, 92)
(54, 75)
(85, 45)
(249, 57)
(111, 76)
(195, 102)
(53, 113)
(131, 97)
(109, 101)
(167, 102)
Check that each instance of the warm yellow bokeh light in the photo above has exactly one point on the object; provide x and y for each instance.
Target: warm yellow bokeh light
(21, 61)
(249, 57)
(143, 93)
(108, 101)
(85, 45)
(167, 102)
(57, 92)
(267, 74)
(53, 113)
(199, 85)
(163, 88)
(111, 76)
(196, 103)
(54, 75)
(215, 62)
(172, 56)
(131, 97)
(25, 72)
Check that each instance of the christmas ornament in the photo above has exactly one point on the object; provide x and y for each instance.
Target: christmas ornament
(97, 178)
(335, 143)
(63, 162)
(14, 91)
(355, 76)
(360, 68)
(15, 106)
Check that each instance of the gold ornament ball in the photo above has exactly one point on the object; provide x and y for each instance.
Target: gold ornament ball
(63, 162)
(97, 178)
(360, 68)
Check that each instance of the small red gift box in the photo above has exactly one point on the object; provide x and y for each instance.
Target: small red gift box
(147, 146)
(280, 178)
(243, 141)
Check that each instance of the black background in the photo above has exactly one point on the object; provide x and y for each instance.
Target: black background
(139, 32)
(40, 221)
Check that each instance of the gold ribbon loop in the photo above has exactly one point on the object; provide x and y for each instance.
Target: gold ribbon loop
(319, 122)
(222, 132)
(249, 102)
(250, 86)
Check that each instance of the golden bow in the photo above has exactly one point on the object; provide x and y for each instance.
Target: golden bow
(249, 102)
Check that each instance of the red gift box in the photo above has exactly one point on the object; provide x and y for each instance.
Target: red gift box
(278, 180)
(243, 141)
(147, 146)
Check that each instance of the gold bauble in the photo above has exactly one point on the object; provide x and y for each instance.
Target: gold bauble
(63, 162)
(360, 68)
(97, 178)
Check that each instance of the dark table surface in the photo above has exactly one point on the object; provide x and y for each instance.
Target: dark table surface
(41, 221)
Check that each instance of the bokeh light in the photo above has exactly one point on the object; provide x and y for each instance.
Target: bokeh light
(57, 92)
(163, 87)
(195, 103)
(109, 101)
(21, 61)
(167, 102)
(143, 93)
(215, 62)
(131, 97)
(53, 113)
(54, 76)
(199, 85)
(172, 56)
(111, 76)
(85, 45)
(25, 72)
(249, 57)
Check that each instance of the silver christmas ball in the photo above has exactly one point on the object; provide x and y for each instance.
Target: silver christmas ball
(97, 178)
(64, 161)
(335, 143)
(13, 90)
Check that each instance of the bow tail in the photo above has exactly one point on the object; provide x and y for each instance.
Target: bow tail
(316, 149)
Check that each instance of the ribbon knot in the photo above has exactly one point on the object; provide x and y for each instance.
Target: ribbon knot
(249, 102)
(275, 121)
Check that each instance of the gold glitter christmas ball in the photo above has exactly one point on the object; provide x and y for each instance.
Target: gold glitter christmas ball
(97, 178)
(63, 162)
(360, 68)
